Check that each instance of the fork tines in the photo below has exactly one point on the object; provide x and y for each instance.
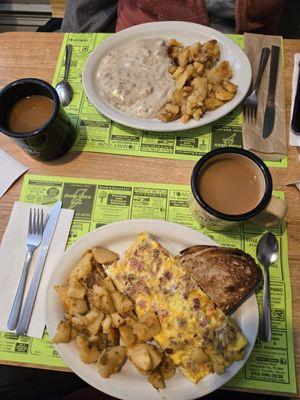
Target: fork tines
(36, 221)
(250, 113)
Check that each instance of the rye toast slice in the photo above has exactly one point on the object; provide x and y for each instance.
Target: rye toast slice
(227, 275)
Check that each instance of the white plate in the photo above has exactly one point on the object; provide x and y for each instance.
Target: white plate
(187, 33)
(128, 384)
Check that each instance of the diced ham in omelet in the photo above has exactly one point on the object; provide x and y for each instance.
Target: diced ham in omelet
(197, 336)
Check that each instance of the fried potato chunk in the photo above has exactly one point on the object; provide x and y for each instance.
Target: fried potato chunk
(216, 75)
(155, 355)
(77, 292)
(166, 116)
(62, 292)
(156, 380)
(197, 114)
(139, 357)
(173, 42)
(117, 319)
(183, 57)
(122, 303)
(127, 334)
(87, 354)
(166, 368)
(95, 325)
(172, 108)
(200, 84)
(104, 256)
(212, 103)
(224, 95)
(140, 330)
(144, 356)
(199, 68)
(111, 360)
(194, 50)
(181, 79)
(106, 324)
(108, 284)
(213, 49)
(229, 86)
(76, 306)
(185, 118)
(63, 333)
(81, 270)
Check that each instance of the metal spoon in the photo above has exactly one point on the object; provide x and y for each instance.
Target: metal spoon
(267, 254)
(63, 88)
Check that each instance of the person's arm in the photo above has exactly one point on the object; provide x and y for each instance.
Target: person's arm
(90, 16)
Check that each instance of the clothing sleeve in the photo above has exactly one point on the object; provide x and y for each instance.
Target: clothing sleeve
(90, 16)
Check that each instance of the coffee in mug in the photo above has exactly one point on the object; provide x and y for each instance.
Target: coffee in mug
(31, 114)
(231, 186)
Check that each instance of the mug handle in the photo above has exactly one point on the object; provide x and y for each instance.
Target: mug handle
(274, 213)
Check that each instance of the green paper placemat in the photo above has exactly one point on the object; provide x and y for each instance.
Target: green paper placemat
(271, 365)
(96, 133)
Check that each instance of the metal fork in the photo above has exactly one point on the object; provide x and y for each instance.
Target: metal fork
(34, 238)
(251, 102)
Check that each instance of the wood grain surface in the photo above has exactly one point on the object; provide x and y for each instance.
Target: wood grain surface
(58, 8)
(35, 55)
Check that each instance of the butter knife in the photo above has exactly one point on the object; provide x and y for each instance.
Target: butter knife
(26, 313)
(269, 117)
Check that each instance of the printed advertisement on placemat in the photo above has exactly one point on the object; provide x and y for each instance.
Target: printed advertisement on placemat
(270, 367)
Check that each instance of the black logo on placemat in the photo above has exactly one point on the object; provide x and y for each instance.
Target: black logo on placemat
(224, 136)
(79, 198)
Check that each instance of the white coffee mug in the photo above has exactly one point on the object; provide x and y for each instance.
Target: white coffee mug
(268, 212)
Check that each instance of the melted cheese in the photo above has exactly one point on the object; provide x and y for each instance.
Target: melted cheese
(190, 322)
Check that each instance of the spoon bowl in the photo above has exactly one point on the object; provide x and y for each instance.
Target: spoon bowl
(65, 92)
(267, 249)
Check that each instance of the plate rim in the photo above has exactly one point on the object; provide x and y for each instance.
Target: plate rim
(174, 126)
(116, 393)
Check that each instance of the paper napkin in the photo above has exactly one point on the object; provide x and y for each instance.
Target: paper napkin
(10, 170)
(12, 256)
(294, 139)
(275, 146)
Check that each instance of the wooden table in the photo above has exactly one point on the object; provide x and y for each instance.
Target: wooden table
(58, 8)
(35, 55)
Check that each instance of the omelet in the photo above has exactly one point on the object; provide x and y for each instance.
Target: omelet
(196, 335)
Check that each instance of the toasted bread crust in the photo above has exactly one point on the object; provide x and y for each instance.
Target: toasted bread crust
(195, 249)
(227, 275)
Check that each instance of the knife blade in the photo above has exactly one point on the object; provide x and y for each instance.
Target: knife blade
(26, 313)
(269, 116)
